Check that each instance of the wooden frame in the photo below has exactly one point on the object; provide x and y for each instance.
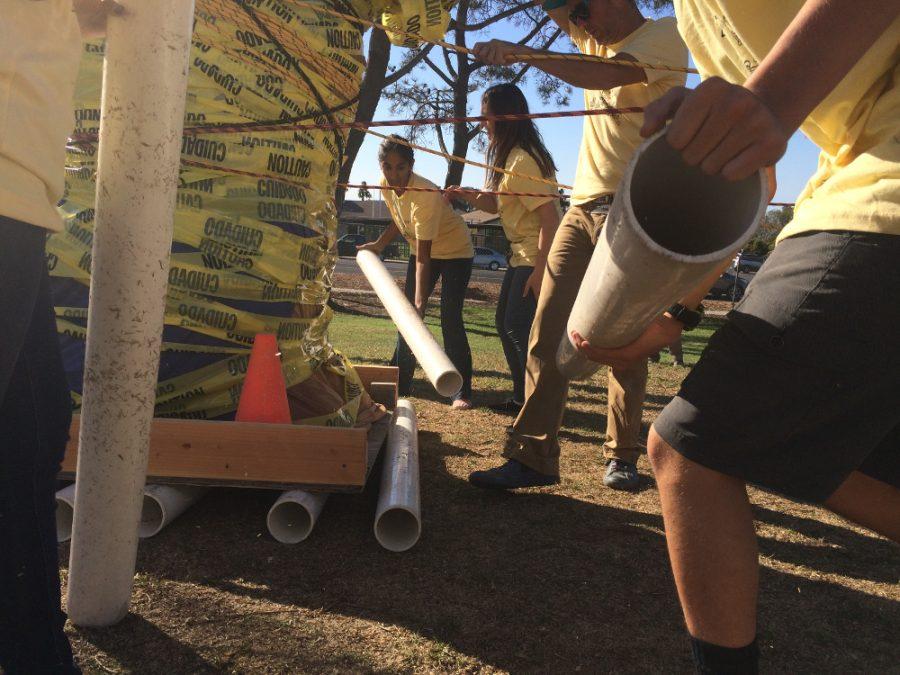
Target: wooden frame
(243, 454)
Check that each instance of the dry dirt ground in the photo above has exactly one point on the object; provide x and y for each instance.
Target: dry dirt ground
(573, 578)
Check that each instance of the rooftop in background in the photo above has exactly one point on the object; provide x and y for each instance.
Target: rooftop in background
(476, 218)
(365, 211)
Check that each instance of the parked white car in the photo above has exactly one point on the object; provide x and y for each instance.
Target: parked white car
(488, 259)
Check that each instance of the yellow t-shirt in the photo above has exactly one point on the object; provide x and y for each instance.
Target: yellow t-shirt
(517, 214)
(608, 142)
(857, 127)
(38, 66)
(426, 216)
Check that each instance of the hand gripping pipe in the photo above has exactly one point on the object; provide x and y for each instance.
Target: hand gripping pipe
(398, 518)
(141, 122)
(164, 503)
(668, 227)
(437, 366)
(294, 514)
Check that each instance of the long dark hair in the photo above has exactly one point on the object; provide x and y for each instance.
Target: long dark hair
(508, 99)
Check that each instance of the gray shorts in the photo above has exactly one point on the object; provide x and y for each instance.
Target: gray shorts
(802, 384)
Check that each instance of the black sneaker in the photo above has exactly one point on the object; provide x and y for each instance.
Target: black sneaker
(507, 407)
(510, 476)
(621, 475)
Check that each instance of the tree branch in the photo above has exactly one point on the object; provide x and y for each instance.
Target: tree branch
(494, 18)
(440, 73)
(449, 63)
(537, 29)
(407, 67)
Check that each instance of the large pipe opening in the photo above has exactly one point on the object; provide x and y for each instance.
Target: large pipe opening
(686, 211)
(290, 522)
(65, 514)
(152, 517)
(397, 529)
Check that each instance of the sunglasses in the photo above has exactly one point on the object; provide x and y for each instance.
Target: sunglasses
(580, 13)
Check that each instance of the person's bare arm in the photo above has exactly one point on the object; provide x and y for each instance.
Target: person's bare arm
(584, 74)
(478, 200)
(423, 274)
(735, 130)
(390, 232)
(548, 216)
(560, 16)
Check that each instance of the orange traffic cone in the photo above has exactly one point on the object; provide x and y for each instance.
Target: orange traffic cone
(264, 395)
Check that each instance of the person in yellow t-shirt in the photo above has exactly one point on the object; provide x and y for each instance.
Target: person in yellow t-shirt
(441, 248)
(529, 223)
(611, 28)
(38, 67)
(813, 349)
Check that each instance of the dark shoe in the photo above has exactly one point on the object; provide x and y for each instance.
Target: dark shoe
(510, 476)
(621, 475)
(507, 407)
(655, 357)
(679, 362)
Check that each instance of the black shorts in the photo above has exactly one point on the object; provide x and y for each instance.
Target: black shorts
(802, 385)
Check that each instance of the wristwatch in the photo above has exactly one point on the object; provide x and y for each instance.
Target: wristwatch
(690, 318)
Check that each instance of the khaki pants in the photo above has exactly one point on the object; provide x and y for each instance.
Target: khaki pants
(534, 439)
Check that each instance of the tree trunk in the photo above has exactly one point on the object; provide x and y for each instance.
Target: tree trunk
(460, 100)
(369, 96)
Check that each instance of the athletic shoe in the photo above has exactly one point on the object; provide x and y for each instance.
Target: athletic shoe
(511, 476)
(621, 475)
(507, 407)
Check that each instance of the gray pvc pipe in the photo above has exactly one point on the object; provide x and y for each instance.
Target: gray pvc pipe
(142, 116)
(294, 514)
(164, 503)
(398, 517)
(668, 227)
(65, 510)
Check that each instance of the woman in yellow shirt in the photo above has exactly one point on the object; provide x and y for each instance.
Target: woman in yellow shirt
(528, 222)
(441, 248)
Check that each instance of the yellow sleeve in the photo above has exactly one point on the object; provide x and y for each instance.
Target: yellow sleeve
(659, 42)
(523, 164)
(425, 214)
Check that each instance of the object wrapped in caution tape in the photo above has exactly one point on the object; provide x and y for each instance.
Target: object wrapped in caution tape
(255, 221)
(425, 18)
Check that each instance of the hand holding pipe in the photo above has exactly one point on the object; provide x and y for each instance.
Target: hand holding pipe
(669, 226)
(437, 366)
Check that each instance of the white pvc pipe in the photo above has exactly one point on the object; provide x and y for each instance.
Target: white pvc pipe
(669, 226)
(294, 514)
(437, 366)
(65, 509)
(164, 503)
(142, 113)
(398, 517)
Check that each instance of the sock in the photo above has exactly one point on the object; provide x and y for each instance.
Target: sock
(711, 659)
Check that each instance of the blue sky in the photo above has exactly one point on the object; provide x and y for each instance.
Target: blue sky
(562, 136)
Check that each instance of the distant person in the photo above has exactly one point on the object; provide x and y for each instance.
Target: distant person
(441, 248)
(609, 28)
(798, 391)
(529, 223)
(38, 67)
(675, 349)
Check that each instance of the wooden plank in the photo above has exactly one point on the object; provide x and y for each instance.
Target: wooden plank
(370, 374)
(384, 393)
(241, 453)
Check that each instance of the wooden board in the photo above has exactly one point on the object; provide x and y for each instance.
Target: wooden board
(242, 454)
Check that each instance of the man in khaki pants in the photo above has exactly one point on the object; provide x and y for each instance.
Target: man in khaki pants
(610, 28)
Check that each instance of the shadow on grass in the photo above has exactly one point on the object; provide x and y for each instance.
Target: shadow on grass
(529, 582)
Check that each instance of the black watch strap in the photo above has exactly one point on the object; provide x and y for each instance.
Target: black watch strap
(690, 318)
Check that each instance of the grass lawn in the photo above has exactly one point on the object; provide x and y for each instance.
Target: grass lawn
(573, 578)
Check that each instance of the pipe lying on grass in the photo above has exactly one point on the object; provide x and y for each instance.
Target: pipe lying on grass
(294, 514)
(164, 503)
(669, 226)
(437, 366)
(65, 510)
(398, 519)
